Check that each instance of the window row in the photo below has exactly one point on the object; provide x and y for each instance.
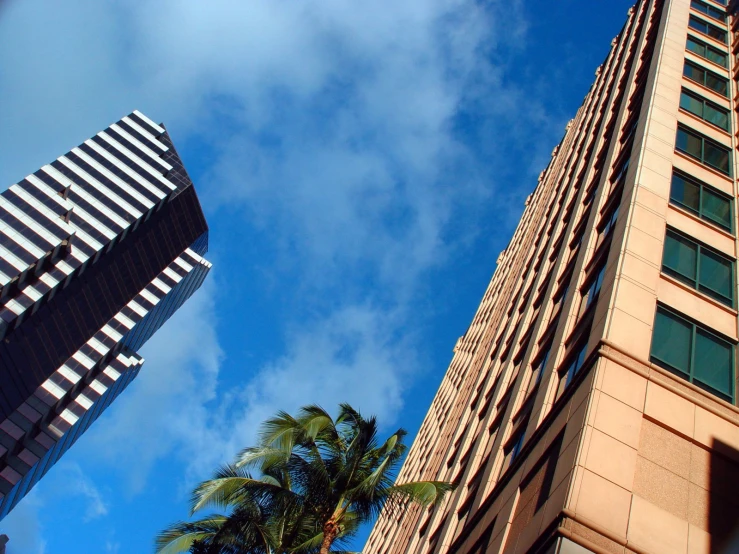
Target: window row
(704, 201)
(709, 10)
(703, 149)
(706, 78)
(694, 353)
(590, 293)
(710, 53)
(699, 266)
(708, 29)
(704, 109)
(683, 347)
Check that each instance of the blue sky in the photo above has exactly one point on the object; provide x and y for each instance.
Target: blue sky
(361, 165)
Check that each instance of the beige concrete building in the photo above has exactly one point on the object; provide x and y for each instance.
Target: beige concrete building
(591, 404)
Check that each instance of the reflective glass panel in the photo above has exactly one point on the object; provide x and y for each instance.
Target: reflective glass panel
(716, 156)
(685, 193)
(715, 32)
(716, 207)
(694, 73)
(715, 275)
(680, 257)
(719, 117)
(716, 83)
(717, 57)
(671, 341)
(713, 362)
(692, 104)
(689, 143)
(696, 47)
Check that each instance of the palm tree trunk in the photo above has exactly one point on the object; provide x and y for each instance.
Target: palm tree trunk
(330, 532)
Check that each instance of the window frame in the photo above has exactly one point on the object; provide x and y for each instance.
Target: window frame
(691, 369)
(706, 71)
(515, 442)
(697, 5)
(704, 102)
(699, 212)
(590, 291)
(696, 285)
(709, 26)
(537, 371)
(571, 368)
(707, 47)
(704, 139)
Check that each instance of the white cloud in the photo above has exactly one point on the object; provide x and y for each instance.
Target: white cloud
(350, 357)
(331, 125)
(70, 480)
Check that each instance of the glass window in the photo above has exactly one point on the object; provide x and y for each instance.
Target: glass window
(707, 29)
(621, 173)
(685, 192)
(715, 276)
(680, 258)
(611, 221)
(707, 111)
(694, 73)
(703, 149)
(717, 83)
(707, 52)
(694, 353)
(557, 303)
(716, 156)
(713, 362)
(516, 442)
(716, 207)
(690, 143)
(571, 369)
(536, 372)
(591, 293)
(691, 103)
(608, 220)
(716, 115)
(699, 266)
(708, 79)
(709, 10)
(701, 199)
(671, 341)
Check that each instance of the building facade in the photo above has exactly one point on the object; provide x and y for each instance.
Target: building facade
(591, 406)
(97, 250)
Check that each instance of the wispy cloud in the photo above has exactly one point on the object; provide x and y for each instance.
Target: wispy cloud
(352, 356)
(72, 481)
(335, 131)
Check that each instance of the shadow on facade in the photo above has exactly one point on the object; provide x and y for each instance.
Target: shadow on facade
(723, 498)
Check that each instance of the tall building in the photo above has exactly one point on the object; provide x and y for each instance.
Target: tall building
(97, 250)
(591, 405)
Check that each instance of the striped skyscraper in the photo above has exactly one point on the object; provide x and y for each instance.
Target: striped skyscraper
(97, 250)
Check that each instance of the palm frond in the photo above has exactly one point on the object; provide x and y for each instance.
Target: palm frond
(306, 469)
(219, 492)
(262, 457)
(315, 422)
(181, 536)
(422, 492)
(280, 432)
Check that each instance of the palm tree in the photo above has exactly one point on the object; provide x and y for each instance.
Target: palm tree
(320, 479)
